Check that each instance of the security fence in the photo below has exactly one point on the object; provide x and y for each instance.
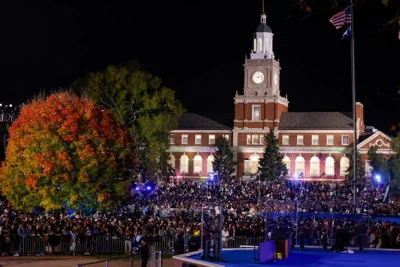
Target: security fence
(36, 245)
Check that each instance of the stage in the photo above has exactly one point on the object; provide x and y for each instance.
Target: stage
(309, 257)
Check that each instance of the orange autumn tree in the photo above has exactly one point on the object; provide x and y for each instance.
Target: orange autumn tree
(65, 151)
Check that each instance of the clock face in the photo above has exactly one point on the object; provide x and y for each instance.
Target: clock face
(276, 79)
(258, 77)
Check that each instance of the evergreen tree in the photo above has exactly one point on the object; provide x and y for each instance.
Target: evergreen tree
(271, 165)
(360, 168)
(377, 161)
(223, 159)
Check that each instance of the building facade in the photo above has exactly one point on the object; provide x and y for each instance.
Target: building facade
(315, 145)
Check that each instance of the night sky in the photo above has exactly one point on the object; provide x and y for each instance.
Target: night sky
(198, 49)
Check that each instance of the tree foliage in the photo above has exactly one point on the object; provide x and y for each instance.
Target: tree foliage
(377, 161)
(223, 159)
(394, 161)
(360, 168)
(64, 151)
(271, 166)
(146, 108)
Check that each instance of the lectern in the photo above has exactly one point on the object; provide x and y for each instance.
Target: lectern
(282, 246)
(281, 242)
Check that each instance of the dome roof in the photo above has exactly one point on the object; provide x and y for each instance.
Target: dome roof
(263, 28)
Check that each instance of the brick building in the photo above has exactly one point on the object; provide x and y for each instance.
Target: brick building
(315, 145)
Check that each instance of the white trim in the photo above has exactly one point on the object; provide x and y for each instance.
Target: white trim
(316, 131)
(201, 131)
(314, 149)
(187, 149)
(246, 120)
(261, 99)
(379, 151)
(250, 130)
(250, 149)
(372, 137)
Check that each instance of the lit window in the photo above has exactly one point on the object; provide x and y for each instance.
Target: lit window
(285, 139)
(248, 139)
(211, 139)
(171, 139)
(329, 166)
(226, 136)
(197, 139)
(300, 166)
(210, 167)
(286, 161)
(256, 113)
(344, 166)
(261, 139)
(315, 140)
(197, 164)
(345, 140)
(314, 166)
(184, 139)
(329, 140)
(255, 139)
(184, 164)
(300, 140)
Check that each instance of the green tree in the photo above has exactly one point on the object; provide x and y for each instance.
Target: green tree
(223, 162)
(65, 151)
(360, 168)
(377, 161)
(146, 108)
(394, 161)
(271, 165)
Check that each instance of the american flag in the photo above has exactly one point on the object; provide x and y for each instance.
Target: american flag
(341, 18)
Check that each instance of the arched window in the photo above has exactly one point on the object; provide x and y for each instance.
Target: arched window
(254, 162)
(210, 160)
(184, 164)
(314, 166)
(300, 166)
(286, 161)
(260, 47)
(329, 166)
(265, 46)
(255, 45)
(344, 165)
(197, 164)
(368, 168)
(171, 160)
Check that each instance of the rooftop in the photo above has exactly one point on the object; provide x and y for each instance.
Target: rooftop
(193, 121)
(315, 121)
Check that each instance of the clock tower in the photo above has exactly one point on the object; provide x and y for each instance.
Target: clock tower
(260, 106)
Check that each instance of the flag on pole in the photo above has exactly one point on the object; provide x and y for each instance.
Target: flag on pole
(322, 175)
(347, 33)
(341, 18)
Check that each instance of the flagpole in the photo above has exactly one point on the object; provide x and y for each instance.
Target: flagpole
(353, 87)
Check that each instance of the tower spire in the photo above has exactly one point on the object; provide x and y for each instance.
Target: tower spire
(262, 8)
(263, 15)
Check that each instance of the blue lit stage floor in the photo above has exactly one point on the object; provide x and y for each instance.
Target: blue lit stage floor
(313, 257)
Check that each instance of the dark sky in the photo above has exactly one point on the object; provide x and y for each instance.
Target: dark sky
(198, 49)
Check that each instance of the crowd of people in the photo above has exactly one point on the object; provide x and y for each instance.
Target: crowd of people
(170, 215)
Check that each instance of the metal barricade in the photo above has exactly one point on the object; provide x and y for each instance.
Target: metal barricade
(156, 259)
